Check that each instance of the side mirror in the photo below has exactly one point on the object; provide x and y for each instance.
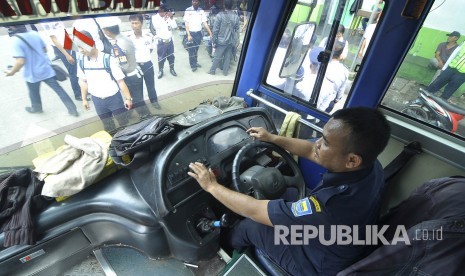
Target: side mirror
(297, 50)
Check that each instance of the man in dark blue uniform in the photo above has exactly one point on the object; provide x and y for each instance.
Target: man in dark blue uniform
(349, 194)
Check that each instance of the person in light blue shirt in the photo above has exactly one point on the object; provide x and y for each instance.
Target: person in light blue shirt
(29, 52)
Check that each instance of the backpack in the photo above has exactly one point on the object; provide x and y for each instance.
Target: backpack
(228, 32)
(106, 65)
(132, 145)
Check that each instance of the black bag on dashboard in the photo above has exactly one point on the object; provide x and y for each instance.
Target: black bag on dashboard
(134, 143)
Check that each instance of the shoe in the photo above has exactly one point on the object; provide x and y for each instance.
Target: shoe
(32, 110)
(156, 105)
(89, 98)
(160, 74)
(211, 73)
(78, 98)
(194, 69)
(73, 113)
(198, 65)
(173, 72)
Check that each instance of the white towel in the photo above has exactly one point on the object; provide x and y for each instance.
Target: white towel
(73, 168)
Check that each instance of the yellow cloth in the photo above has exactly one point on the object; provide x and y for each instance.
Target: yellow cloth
(291, 125)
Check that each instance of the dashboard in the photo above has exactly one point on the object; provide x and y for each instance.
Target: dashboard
(214, 144)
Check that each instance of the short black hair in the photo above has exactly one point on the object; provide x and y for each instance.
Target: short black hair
(228, 4)
(136, 17)
(338, 48)
(369, 132)
(113, 29)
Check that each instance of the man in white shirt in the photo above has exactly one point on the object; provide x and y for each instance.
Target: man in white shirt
(194, 18)
(370, 29)
(164, 24)
(143, 42)
(335, 81)
(104, 84)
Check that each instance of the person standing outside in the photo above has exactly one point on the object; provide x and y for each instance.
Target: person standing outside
(339, 37)
(29, 51)
(164, 24)
(125, 53)
(443, 52)
(225, 34)
(452, 77)
(367, 35)
(143, 42)
(104, 84)
(335, 81)
(56, 32)
(194, 18)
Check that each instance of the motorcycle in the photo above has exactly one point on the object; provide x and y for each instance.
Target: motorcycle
(435, 111)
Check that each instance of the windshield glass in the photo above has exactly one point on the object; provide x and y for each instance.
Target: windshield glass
(155, 68)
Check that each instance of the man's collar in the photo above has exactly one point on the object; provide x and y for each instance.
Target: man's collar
(334, 179)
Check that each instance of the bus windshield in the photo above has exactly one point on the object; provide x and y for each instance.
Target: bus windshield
(165, 70)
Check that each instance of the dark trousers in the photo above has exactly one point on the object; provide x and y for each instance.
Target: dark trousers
(72, 70)
(136, 88)
(450, 77)
(149, 79)
(165, 51)
(36, 101)
(109, 108)
(193, 48)
(250, 233)
(223, 55)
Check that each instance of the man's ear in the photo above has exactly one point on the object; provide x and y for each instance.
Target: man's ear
(353, 161)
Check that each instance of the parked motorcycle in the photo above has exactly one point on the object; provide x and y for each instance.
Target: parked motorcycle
(435, 111)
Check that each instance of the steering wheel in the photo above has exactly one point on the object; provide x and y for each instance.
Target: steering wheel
(266, 182)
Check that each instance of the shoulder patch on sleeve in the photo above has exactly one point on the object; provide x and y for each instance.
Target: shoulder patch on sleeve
(316, 204)
(302, 208)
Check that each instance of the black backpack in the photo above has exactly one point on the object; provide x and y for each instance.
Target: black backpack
(132, 145)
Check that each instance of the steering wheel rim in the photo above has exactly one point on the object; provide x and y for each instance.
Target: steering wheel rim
(296, 181)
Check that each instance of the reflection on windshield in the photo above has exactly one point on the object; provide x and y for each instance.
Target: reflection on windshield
(41, 107)
(353, 34)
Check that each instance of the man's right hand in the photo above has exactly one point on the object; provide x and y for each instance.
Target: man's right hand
(260, 133)
(85, 104)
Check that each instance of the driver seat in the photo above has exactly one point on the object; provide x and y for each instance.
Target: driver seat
(269, 265)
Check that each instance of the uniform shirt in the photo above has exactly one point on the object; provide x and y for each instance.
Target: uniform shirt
(163, 26)
(334, 84)
(37, 64)
(368, 34)
(194, 19)
(143, 45)
(99, 82)
(130, 51)
(350, 198)
(345, 51)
